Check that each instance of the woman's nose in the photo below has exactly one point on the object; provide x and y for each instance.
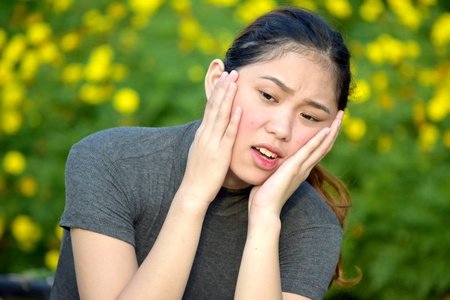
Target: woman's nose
(280, 125)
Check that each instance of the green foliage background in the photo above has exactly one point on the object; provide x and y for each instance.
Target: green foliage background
(71, 68)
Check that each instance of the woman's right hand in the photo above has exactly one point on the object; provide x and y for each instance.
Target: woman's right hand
(210, 153)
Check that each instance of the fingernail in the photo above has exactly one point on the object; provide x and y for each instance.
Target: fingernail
(233, 74)
(222, 77)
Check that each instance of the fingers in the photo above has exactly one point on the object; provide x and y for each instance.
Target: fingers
(218, 107)
(232, 129)
(316, 149)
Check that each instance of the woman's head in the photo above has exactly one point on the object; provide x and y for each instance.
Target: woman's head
(293, 30)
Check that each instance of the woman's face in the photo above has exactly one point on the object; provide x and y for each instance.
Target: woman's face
(285, 102)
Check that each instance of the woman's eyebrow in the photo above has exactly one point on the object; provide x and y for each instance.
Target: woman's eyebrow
(280, 84)
(290, 91)
(317, 105)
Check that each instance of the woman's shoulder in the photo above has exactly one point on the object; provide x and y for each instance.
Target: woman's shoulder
(123, 142)
(308, 207)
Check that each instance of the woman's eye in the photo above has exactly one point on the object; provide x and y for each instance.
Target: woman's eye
(268, 97)
(309, 117)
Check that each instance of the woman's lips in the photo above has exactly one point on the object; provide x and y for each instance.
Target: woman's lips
(265, 158)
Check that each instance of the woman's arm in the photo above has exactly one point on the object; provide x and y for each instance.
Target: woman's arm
(259, 273)
(106, 268)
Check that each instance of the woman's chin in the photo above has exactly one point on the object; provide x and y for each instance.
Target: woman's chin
(233, 181)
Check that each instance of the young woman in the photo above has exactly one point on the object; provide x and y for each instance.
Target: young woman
(230, 206)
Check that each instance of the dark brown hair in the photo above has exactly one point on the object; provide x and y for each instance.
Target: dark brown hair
(294, 29)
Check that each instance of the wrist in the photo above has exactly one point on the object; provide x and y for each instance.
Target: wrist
(190, 200)
(264, 221)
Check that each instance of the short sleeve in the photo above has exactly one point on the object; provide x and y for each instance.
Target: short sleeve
(96, 197)
(310, 245)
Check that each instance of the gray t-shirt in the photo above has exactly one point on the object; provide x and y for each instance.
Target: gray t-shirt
(120, 182)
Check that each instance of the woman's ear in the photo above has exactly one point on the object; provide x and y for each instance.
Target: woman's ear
(215, 69)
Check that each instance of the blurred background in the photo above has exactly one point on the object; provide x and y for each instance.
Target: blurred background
(70, 68)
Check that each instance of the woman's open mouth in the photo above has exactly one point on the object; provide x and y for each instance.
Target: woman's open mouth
(267, 153)
(264, 158)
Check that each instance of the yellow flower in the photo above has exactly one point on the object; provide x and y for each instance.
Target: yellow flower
(51, 259)
(440, 33)
(91, 18)
(447, 138)
(196, 73)
(223, 2)
(72, 73)
(206, 44)
(428, 136)
(362, 91)
(411, 18)
(384, 143)
(339, 8)
(28, 186)
(392, 48)
(7, 74)
(116, 10)
(419, 113)
(346, 118)
(308, 4)
(93, 94)
(355, 129)
(99, 64)
(118, 72)
(29, 65)
(33, 18)
(3, 38)
(59, 232)
(386, 48)
(411, 49)
(181, 6)
(13, 94)
(427, 77)
(380, 81)
(438, 107)
(386, 101)
(10, 121)
(15, 48)
(140, 20)
(39, 33)
(70, 41)
(144, 7)
(96, 22)
(14, 162)
(374, 52)
(61, 5)
(26, 232)
(407, 14)
(189, 29)
(126, 101)
(371, 10)
(49, 53)
(251, 9)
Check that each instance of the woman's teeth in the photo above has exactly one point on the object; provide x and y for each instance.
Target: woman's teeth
(267, 152)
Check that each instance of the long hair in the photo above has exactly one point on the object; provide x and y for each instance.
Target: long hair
(299, 30)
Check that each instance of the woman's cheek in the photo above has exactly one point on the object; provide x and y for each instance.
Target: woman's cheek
(303, 139)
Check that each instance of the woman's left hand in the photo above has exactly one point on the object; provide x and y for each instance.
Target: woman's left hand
(276, 190)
